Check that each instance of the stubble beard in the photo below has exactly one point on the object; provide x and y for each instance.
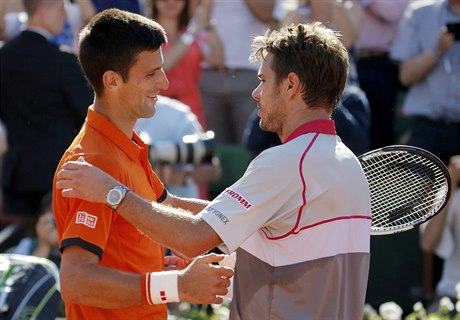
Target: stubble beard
(273, 120)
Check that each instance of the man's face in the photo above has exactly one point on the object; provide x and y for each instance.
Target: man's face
(138, 94)
(270, 102)
(53, 16)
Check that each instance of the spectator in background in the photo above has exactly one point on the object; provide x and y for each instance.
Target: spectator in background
(192, 41)
(172, 121)
(441, 235)
(377, 72)
(14, 19)
(42, 242)
(43, 102)
(226, 90)
(9, 16)
(429, 62)
(79, 12)
(429, 65)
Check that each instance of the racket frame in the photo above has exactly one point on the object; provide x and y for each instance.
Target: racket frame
(424, 154)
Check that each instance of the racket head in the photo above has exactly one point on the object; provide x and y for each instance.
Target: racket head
(408, 186)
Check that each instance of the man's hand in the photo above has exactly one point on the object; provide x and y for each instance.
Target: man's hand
(175, 263)
(79, 179)
(446, 40)
(202, 282)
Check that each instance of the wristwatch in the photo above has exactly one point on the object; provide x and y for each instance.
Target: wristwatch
(115, 196)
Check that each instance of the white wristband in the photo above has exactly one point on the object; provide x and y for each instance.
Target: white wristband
(162, 287)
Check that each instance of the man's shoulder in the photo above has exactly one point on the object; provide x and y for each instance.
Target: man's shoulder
(422, 7)
(32, 43)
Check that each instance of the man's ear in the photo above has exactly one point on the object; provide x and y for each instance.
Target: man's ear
(292, 83)
(111, 80)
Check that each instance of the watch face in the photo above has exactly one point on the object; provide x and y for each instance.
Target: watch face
(114, 196)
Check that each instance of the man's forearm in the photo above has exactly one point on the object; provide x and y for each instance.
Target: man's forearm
(84, 281)
(189, 204)
(174, 228)
(416, 69)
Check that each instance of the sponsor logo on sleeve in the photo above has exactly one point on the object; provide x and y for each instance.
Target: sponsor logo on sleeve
(218, 214)
(87, 219)
(238, 197)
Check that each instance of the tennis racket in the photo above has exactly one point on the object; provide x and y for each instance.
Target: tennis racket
(408, 186)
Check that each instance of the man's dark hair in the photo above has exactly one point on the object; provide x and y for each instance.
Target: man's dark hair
(313, 52)
(112, 40)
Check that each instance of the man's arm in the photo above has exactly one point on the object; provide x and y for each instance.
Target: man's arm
(262, 9)
(171, 226)
(83, 281)
(416, 69)
(174, 228)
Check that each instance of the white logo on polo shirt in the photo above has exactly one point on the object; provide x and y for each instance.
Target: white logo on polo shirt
(85, 218)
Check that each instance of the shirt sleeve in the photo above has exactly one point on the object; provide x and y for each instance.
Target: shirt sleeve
(405, 44)
(88, 226)
(256, 200)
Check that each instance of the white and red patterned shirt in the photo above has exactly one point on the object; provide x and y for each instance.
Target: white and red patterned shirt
(300, 222)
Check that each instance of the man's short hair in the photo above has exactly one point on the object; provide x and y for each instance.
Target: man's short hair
(112, 40)
(31, 6)
(312, 51)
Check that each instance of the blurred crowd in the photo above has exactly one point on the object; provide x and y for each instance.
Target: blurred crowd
(403, 88)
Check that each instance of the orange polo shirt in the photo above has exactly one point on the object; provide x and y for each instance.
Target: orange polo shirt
(96, 228)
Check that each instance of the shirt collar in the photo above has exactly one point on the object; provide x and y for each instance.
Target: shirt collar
(40, 31)
(132, 147)
(319, 126)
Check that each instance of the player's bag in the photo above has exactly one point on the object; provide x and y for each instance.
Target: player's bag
(29, 288)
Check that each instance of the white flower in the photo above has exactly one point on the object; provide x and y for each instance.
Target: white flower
(457, 289)
(370, 311)
(418, 306)
(446, 304)
(390, 311)
(221, 311)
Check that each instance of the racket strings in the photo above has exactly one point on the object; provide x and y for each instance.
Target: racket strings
(404, 188)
